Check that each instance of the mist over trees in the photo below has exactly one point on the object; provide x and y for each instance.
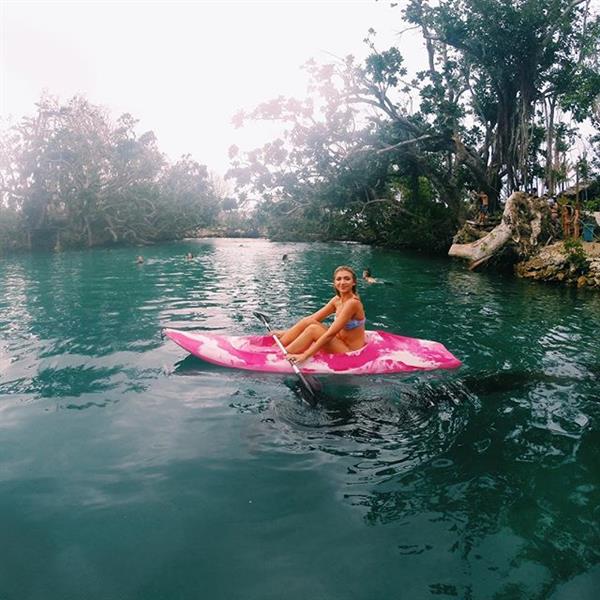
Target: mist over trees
(72, 178)
(377, 156)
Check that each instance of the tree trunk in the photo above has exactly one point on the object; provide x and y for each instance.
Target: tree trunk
(526, 222)
(88, 231)
(550, 183)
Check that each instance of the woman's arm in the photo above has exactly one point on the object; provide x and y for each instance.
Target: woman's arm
(324, 312)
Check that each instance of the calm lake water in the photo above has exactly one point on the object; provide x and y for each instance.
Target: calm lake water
(129, 469)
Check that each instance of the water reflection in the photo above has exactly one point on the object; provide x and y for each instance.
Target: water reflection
(377, 435)
(506, 525)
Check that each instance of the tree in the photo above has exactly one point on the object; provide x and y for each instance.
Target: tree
(487, 118)
(511, 58)
(74, 178)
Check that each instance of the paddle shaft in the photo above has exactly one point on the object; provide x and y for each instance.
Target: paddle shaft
(294, 365)
(297, 371)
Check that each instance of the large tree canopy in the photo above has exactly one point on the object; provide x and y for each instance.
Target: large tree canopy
(377, 150)
(70, 177)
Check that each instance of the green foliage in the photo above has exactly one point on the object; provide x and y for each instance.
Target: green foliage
(12, 233)
(488, 120)
(575, 254)
(416, 219)
(592, 205)
(73, 178)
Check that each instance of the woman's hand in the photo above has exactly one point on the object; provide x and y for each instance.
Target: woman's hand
(297, 358)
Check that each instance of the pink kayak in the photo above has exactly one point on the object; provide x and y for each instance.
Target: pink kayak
(383, 353)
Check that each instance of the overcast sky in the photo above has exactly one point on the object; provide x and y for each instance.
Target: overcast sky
(182, 68)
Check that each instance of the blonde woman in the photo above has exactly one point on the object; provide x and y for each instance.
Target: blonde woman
(346, 333)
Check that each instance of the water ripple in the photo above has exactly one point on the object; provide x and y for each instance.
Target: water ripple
(491, 470)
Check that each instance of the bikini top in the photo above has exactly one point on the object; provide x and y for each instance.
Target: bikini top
(354, 323)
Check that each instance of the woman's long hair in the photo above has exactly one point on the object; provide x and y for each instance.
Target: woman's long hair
(354, 278)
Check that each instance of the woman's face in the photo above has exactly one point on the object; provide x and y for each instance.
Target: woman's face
(343, 281)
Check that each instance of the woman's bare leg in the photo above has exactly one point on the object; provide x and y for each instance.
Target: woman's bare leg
(296, 330)
(310, 335)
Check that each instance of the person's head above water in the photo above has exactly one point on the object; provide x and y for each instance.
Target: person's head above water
(368, 277)
(342, 274)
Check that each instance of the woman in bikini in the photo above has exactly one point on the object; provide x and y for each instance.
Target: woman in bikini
(346, 333)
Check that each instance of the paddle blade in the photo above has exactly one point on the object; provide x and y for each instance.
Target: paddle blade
(314, 384)
(308, 392)
(309, 387)
(262, 318)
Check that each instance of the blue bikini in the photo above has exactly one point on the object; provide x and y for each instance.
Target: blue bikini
(354, 323)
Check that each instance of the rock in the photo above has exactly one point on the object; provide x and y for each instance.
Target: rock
(573, 265)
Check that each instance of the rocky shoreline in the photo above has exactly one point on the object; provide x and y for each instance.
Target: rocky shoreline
(575, 265)
(526, 237)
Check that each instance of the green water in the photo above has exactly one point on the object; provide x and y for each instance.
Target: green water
(131, 470)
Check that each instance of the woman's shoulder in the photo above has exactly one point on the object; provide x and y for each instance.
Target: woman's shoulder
(358, 305)
(354, 303)
(332, 304)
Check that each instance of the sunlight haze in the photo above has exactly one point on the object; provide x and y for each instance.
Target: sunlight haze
(183, 69)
